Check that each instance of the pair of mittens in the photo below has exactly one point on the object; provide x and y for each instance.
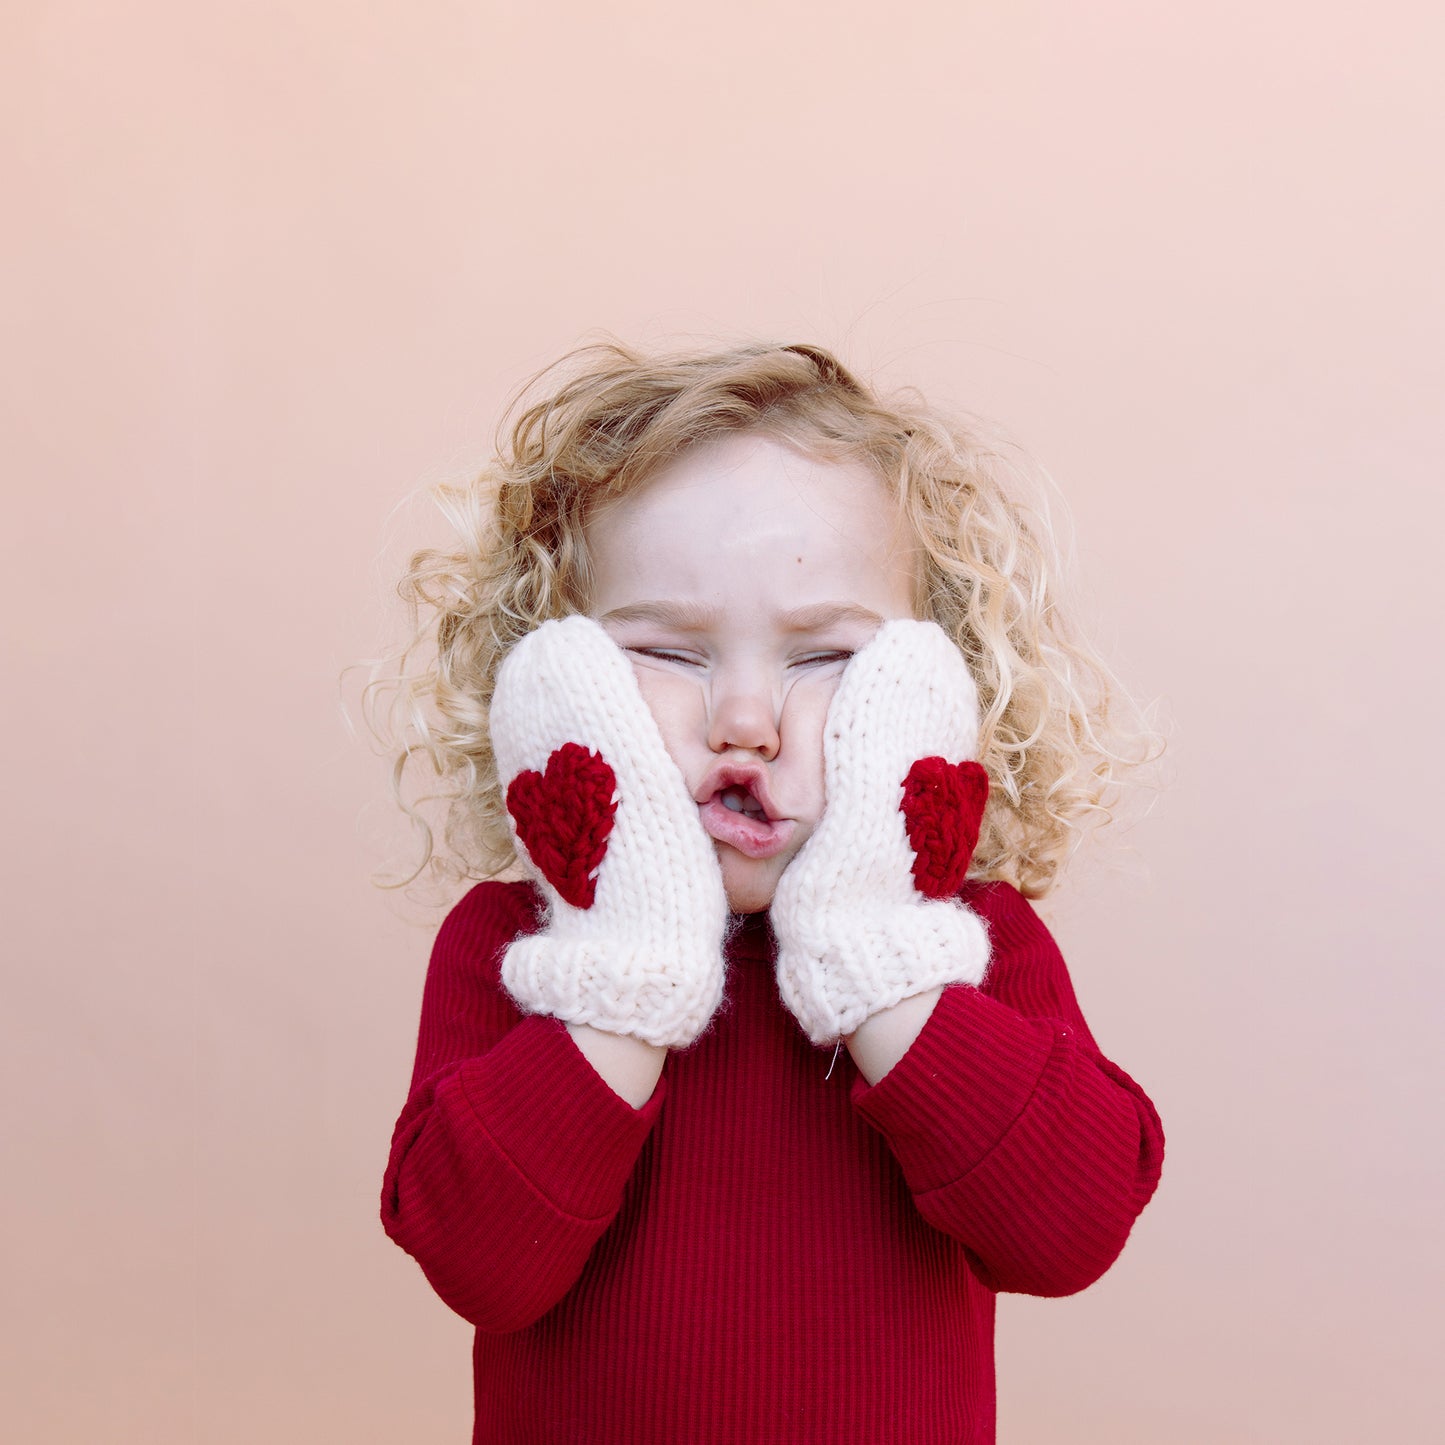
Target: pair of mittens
(636, 907)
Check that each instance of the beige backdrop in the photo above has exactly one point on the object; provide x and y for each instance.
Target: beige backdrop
(273, 266)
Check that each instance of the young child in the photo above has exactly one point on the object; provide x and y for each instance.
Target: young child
(732, 1119)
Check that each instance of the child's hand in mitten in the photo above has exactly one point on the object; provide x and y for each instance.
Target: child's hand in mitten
(864, 914)
(633, 938)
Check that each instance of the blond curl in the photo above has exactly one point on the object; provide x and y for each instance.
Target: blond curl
(606, 420)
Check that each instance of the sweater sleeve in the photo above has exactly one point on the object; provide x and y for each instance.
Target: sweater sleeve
(511, 1155)
(1015, 1135)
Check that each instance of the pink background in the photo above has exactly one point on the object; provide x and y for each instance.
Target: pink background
(273, 267)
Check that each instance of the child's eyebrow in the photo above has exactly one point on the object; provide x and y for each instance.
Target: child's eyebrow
(683, 616)
(822, 615)
(695, 617)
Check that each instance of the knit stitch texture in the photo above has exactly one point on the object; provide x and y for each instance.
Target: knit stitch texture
(633, 942)
(856, 933)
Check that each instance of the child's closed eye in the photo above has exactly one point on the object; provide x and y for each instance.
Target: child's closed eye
(663, 654)
(812, 659)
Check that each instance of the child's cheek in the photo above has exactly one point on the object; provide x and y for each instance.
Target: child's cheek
(674, 701)
(805, 711)
(810, 693)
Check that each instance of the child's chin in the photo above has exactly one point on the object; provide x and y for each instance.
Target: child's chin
(750, 883)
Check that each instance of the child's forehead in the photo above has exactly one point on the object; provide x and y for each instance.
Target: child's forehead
(760, 473)
(753, 521)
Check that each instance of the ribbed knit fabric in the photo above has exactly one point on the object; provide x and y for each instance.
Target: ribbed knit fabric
(762, 1253)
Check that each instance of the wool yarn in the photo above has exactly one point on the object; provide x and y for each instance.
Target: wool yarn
(636, 908)
(864, 914)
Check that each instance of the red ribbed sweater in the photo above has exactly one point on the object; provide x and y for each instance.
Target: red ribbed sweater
(762, 1252)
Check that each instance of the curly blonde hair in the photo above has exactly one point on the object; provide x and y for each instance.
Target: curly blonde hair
(607, 419)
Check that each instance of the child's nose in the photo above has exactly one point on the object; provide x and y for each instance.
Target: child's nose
(744, 718)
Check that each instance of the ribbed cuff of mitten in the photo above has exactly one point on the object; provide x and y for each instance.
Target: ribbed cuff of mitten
(578, 1145)
(616, 987)
(852, 963)
(975, 1066)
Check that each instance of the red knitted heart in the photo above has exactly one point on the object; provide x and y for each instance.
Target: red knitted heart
(564, 817)
(943, 809)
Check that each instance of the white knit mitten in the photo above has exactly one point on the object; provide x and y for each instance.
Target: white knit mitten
(864, 914)
(636, 907)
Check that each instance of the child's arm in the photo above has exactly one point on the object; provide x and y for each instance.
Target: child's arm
(1017, 1138)
(630, 1066)
(882, 1039)
(541, 1050)
(511, 1155)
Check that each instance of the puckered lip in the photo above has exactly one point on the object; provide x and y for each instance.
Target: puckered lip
(752, 776)
(754, 836)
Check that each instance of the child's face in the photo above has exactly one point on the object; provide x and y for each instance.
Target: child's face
(739, 580)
